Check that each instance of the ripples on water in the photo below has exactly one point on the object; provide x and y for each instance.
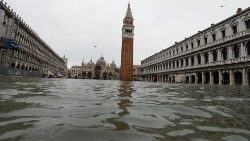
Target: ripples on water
(77, 110)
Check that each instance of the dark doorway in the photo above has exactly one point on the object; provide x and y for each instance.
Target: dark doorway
(89, 75)
(238, 78)
(155, 78)
(170, 80)
(199, 75)
(18, 66)
(105, 76)
(84, 75)
(236, 51)
(173, 80)
(216, 77)
(13, 65)
(207, 77)
(187, 79)
(192, 78)
(225, 78)
(110, 76)
(224, 54)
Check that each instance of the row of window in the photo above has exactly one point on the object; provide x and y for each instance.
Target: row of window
(128, 30)
(190, 61)
(187, 47)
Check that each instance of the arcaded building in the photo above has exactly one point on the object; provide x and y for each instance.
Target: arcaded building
(219, 54)
(99, 70)
(23, 52)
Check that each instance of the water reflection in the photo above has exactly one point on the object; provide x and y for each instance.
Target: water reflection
(125, 96)
(124, 101)
(57, 109)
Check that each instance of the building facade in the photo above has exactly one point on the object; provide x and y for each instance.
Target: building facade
(219, 54)
(22, 51)
(99, 70)
(126, 72)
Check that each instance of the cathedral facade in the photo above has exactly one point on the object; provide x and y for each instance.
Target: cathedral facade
(126, 72)
(99, 70)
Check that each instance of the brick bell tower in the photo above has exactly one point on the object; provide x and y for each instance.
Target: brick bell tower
(126, 72)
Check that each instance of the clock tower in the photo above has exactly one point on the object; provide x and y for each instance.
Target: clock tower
(126, 71)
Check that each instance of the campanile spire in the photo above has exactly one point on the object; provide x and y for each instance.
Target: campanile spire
(126, 71)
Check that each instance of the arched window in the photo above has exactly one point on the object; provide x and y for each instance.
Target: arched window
(199, 59)
(215, 56)
(192, 60)
(186, 60)
(224, 53)
(236, 51)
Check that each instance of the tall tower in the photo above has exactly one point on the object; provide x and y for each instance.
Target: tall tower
(126, 72)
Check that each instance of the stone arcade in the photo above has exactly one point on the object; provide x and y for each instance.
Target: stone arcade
(219, 54)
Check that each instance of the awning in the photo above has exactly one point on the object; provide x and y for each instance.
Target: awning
(9, 43)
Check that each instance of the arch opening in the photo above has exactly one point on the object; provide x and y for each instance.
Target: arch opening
(224, 53)
(187, 79)
(207, 77)
(105, 76)
(225, 78)
(216, 77)
(199, 75)
(236, 51)
(192, 78)
(89, 75)
(238, 78)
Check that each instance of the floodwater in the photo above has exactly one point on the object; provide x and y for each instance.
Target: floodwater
(89, 110)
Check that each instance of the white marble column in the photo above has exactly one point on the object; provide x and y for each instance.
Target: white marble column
(220, 77)
(211, 77)
(202, 59)
(244, 76)
(189, 61)
(190, 79)
(210, 57)
(232, 77)
(243, 51)
(203, 78)
(230, 53)
(196, 78)
(219, 57)
(195, 60)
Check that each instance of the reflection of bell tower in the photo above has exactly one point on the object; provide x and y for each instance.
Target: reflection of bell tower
(126, 72)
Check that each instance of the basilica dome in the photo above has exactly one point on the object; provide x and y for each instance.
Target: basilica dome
(113, 65)
(90, 63)
(101, 62)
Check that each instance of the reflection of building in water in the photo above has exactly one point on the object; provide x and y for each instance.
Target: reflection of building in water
(219, 54)
(125, 94)
(98, 70)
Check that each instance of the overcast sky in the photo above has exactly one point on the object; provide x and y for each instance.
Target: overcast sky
(72, 27)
